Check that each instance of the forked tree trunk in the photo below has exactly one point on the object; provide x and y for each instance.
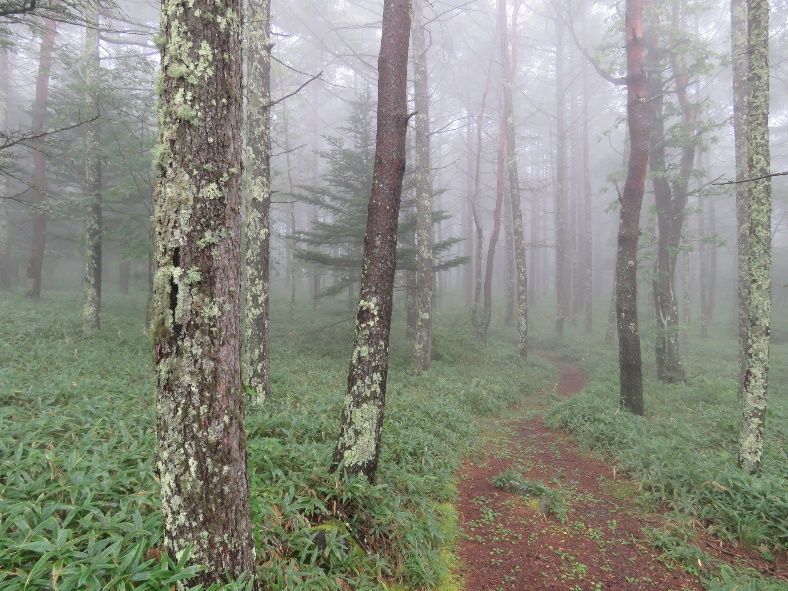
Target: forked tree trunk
(39, 185)
(422, 348)
(520, 275)
(358, 448)
(91, 311)
(255, 364)
(629, 354)
(756, 271)
(201, 455)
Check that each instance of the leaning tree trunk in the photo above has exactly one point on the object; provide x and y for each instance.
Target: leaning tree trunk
(740, 65)
(39, 184)
(201, 457)
(5, 228)
(521, 275)
(562, 266)
(91, 311)
(358, 448)
(629, 354)
(756, 272)
(422, 349)
(255, 364)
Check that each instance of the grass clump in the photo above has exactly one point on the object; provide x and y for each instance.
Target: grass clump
(551, 502)
(79, 505)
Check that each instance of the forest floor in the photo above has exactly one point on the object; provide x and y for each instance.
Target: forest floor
(538, 513)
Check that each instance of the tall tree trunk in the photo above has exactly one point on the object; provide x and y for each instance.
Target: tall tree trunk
(201, 456)
(422, 349)
(562, 263)
(703, 267)
(629, 354)
(358, 448)
(39, 184)
(5, 227)
(91, 311)
(255, 364)
(291, 215)
(756, 272)
(496, 231)
(521, 274)
(124, 276)
(588, 236)
(740, 68)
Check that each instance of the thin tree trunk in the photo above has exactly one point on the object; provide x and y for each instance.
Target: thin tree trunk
(201, 455)
(588, 236)
(257, 201)
(630, 363)
(91, 311)
(5, 226)
(562, 264)
(358, 447)
(521, 274)
(291, 218)
(39, 184)
(124, 276)
(756, 272)
(422, 349)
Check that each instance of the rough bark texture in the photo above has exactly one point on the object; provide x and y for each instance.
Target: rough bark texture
(257, 201)
(39, 181)
(201, 454)
(91, 310)
(562, 264)
(629, 354)
(358, 448)
(422, 349)
(756, 271)
(521, 274)
(740, 66)
(5, 229)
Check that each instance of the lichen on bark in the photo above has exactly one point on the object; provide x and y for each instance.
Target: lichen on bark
(201, 453)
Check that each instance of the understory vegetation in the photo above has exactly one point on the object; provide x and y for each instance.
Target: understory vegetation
(682, 455)
(79, 506)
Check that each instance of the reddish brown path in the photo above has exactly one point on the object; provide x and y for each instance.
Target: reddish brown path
(508, 544)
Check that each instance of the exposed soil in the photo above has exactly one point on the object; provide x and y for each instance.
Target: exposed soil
(507, 541)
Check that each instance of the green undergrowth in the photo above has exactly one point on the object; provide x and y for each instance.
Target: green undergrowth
(550, 501)
(683, 453)
(79, 506)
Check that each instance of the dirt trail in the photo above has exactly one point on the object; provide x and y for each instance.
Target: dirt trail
(507, 543)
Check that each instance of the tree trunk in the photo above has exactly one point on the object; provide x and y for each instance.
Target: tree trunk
(756, 272)
(562, 264)
(291, 217)
(588, 229)
(257, 201)
(91, 311)
(670, 213)
(422, 349)
(5, 227)
(124, 276)
(629, 355)
(520, 275)
(201, 456)
(358, 448)
(740, 68)
(39, 181)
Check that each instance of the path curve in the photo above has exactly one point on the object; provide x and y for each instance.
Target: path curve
(507, 543)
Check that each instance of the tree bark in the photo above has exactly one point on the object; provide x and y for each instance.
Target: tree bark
(39, 181)
(91, 311)
(629, 354)
(422, 349)
(257, 201)
(588, 235)
(740, 68)
(201, 455)
(358, 448)
(521, 273)
(756, 272)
